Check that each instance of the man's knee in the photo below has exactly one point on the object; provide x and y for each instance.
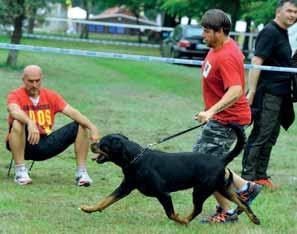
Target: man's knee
(82, 132)
(17, 128)
(16, 134)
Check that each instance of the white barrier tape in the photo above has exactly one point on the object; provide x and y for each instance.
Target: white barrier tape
(137, 26)
(104, 42)
(98, 54)
(90, 53)
(155, 28)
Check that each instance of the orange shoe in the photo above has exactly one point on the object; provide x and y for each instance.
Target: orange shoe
(267, 183)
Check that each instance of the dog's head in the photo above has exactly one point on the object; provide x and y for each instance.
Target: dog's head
(112, 147)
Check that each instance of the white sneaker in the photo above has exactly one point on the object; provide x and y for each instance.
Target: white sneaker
(83, 179)
(21, 176)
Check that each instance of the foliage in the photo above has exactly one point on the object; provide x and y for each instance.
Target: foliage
(9, 10)
(260, 11)
(13, 14)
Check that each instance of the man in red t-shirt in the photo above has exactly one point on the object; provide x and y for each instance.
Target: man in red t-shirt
(225, 103)
(32, 110)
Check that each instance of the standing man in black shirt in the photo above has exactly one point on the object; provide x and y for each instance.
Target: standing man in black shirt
(269, 93)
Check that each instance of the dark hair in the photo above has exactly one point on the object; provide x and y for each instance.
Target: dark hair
(282, 2)
(216, 19)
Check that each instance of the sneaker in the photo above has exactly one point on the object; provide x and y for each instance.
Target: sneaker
(267, 183)
(83, 179)
(221, 217)
(21, 176)
(249, 195)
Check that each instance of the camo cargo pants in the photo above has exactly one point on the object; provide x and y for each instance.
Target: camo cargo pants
(215, 139)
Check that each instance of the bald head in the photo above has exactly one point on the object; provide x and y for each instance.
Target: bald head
(32, 70)
(32, 80)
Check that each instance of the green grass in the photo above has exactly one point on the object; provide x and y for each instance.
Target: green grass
(145, 101)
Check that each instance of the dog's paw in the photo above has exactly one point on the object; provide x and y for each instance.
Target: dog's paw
(179, 220)
(87, 209)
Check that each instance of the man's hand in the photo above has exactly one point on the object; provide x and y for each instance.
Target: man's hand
(203, 116)
(94, 134)
(33, 133)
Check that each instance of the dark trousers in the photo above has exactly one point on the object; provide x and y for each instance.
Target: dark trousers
(263, 137)
(51, 145)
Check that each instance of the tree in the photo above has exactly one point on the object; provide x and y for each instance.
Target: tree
(87, 5)
(196, 8)
(260, 11)
(31, 12)
(13, 13)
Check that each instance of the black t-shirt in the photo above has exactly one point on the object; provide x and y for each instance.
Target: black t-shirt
(272, 44)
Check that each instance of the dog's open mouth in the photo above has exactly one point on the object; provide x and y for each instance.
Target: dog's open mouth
(99, 158)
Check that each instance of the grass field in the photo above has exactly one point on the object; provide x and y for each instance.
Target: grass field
(145, 101)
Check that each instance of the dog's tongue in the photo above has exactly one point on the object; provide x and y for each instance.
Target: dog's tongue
(94, 158)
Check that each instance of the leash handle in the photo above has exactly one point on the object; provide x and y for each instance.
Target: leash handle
(179, 133)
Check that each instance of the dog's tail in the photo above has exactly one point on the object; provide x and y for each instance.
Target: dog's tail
(240, 143)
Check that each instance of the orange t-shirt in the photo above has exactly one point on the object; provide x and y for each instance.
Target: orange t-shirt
(43, 114)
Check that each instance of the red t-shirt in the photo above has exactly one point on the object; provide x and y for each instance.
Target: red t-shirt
(43, 114)
(221, 69)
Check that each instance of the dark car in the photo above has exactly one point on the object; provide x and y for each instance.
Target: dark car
(184, 41)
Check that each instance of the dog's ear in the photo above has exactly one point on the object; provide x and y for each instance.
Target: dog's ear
(116, 145)
(119, 149)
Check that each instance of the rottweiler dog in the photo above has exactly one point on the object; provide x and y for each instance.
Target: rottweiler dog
(156, 174)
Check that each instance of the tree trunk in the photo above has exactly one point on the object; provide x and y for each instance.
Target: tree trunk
(235, 9)
(246, 38)
(84, 29)
(139, 30)
(189, 20)
(31, 20)
(169, 21)
(17, 34)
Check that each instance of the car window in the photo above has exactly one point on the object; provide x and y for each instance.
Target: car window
(193, 32)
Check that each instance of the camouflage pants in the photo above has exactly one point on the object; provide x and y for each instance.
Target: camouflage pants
(215, 139)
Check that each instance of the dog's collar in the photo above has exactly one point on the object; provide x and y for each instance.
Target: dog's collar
(138, 156)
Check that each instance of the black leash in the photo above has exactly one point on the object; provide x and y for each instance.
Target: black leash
(138, 156)
(175, 135)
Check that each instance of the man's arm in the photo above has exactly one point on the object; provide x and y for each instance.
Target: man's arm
(18, 114)
(229, 98)
(253, 78)
(82, 120)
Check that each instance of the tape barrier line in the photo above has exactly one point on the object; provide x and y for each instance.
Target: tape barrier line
(104, 42)
(94, 22)
(135, 26)
(97, 54)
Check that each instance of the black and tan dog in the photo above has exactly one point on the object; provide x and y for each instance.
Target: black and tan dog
(156, 174)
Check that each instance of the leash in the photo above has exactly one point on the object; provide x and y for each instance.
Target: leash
(174, 135)
(138, 156)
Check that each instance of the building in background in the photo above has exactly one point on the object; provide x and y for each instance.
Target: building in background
(118, 15)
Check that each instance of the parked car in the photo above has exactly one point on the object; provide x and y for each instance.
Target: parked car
(184, 41)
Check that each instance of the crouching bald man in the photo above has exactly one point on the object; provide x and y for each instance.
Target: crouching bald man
(32, 110)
